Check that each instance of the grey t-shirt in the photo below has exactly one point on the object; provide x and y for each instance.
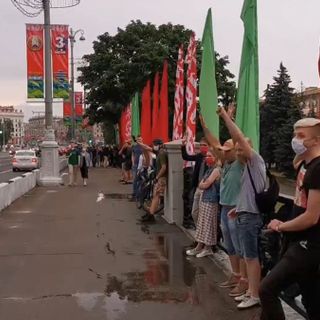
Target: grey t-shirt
(247, 202)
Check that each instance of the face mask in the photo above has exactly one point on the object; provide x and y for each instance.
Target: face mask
(156, 148)
(204, 150)
(298, 147)
(209, 162)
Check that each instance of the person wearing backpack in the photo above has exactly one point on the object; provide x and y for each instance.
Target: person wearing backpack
(247, 214)
(301, 260)
(207, 223)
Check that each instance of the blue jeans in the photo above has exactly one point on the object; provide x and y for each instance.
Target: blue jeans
(249, 226)
(229, 232)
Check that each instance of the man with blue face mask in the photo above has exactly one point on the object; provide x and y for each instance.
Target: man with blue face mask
(300, 263)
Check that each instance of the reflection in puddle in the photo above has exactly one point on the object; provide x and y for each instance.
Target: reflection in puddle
(87, 301)
(113, 305)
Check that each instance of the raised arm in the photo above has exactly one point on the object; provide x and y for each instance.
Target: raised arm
(212, 140)
(144, 146)
(236, 134)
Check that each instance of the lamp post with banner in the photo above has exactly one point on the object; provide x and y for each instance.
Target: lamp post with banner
(72, 37)
(49, 171)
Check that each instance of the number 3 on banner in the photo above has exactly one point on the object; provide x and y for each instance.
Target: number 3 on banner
(60, 44)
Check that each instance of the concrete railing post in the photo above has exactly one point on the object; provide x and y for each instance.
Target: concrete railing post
(173, 211)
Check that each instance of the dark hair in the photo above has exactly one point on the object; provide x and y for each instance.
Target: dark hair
(157, 142)
(204, 139)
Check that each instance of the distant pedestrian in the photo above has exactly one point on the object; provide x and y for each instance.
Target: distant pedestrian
(73, 165)
(84, 165)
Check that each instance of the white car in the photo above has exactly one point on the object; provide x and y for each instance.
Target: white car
(25, 160)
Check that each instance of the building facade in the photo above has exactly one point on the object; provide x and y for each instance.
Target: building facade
(16, 117)
(35, 130)
(310, 102)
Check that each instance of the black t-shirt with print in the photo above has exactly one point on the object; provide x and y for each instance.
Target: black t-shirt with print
(308, 178)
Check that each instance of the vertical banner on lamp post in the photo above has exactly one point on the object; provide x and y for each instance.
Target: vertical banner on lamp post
(78, 97)
(35, 65)
(60, 62)
(67, 112)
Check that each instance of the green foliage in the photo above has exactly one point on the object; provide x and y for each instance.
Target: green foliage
(122, 64)
(7, 128)
(278, 113)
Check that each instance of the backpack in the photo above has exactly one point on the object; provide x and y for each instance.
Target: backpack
(267, 199)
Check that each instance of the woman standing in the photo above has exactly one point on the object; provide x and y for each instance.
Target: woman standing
(207, 224)
(84, 165)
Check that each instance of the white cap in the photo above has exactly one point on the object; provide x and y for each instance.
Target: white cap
(307, 122)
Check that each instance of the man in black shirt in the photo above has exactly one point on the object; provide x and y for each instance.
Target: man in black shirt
(301, 261)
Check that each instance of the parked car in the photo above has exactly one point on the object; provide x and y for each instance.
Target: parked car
(25, 160)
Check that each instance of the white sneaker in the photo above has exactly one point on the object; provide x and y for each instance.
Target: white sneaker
(248, 303)
(192, 252)
(204, 253)
(242, 297)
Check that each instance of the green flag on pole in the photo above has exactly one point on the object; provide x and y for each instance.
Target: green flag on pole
(247, 117)
(135, 116)
(208, 86)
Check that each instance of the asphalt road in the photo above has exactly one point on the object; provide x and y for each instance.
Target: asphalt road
(6, 172)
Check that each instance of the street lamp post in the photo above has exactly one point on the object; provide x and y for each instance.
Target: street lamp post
(72, 37)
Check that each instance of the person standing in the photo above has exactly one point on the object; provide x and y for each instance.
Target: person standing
(84, 165)
(207, 224)
(248, 217)
(301, 260)
(136, 153)
(160, 179)
(193, 195)
(232, 170)
(73, 165)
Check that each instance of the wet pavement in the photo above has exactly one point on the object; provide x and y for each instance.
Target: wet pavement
(65, 255)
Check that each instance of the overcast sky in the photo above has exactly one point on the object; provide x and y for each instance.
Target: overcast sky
(289, 31)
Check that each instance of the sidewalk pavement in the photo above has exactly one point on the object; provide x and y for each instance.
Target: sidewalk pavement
(63, 255)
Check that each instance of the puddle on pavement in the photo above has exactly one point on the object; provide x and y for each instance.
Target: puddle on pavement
(163, 280)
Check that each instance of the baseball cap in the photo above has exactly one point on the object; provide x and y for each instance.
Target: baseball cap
(157, 142)
(228, 145)
(306, 123)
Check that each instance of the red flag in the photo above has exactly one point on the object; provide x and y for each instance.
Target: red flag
(179, 98)
(125, 125)
(67, 112)
(155, 109)
(164, 106)
(146, 128)
(191, 95)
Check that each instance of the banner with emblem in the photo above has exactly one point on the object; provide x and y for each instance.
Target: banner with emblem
(35, 61)
(60, 60)
(78, 96)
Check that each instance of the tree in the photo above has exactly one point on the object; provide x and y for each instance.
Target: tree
(122, 64)
(6, 130)
(278, 113)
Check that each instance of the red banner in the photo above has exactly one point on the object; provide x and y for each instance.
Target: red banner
(146, 133)
(35, 64)
(78, 97)
(179, 98)
(60, 60)
(191, 95)
(67, 110)
(125, 125)
(155, 108)
(164, 105)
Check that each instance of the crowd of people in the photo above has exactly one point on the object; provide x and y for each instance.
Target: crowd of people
(82, 157)
(226, 182)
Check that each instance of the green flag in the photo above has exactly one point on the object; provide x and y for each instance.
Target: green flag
(208, 86)
(135, 116)
(247, 117)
